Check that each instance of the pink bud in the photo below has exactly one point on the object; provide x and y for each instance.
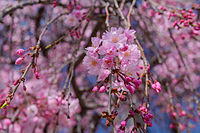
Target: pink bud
(54, 3)
(153, 86)
(182, 127)
(182, 113)
(102, 89)
(131, 112)
(173, 114)
(140, 67)
(156, 86)
(122, 98)
(16, 82)
(150, 124)
(24, 88)
(95, 89)
(20, 52)
(172, 126)
(123, 123)
(130, 88)
(128, 79)
(37, 75)
(19, 61)
(59, 100)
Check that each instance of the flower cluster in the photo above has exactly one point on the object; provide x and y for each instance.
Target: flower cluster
(116, 53)
(156, 86)
(146, 115)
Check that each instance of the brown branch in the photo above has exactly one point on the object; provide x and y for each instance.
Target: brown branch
(35, 55)
(75, 28)
(11, 9)
(146, 76)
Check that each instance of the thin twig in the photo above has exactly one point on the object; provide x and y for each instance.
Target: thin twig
(122, 4)
(48, 23)
(63, 36)
(120, 12)
(129, 13)
(69, 88)
(107, 16)
(146, 76)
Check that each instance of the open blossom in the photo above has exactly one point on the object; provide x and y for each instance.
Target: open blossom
(93, 63)
(71, 20)
(115, 37)
(32, 110)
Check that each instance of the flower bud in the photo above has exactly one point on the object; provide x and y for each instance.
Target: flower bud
(37, 75)
(95, 89)
(102, 89)
(20, 52)
(123, 124)
(19, 61)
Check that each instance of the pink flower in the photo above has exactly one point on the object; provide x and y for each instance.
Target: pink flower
(20, 52)
(103, 74)
(71, 20)
(19, 61)
(114, 37)
(123, 124)
(93, 63)
(102, 89)
(32, 110)
(130, 34)
(108, 62)
(131, 54)
(95, 41)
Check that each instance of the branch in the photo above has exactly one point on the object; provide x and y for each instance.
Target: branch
(146, 76)
(107, 16)
(9, 10)
(120, 12)
(35, 55)
(129, 13)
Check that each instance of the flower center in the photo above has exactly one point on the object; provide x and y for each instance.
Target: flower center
(115, 39)
(94, 63)
(126, 54)
(71, 19)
